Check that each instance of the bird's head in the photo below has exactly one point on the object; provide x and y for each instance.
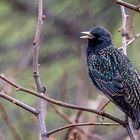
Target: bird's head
(98, 37)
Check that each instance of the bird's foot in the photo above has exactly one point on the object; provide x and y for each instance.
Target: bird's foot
(100, 117)
(102, 111)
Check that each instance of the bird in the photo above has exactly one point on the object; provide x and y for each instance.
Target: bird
(113, 73)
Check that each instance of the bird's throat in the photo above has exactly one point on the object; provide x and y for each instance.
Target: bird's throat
(95, 46)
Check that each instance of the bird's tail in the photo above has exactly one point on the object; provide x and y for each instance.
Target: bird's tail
(136, 122)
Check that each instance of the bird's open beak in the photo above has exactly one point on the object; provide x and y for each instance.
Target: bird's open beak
(87, 35)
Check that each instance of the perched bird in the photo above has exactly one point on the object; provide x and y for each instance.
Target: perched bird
(112, 72)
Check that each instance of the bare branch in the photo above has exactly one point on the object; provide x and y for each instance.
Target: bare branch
(79, 124)
(18, 103)
(128, 5)
(67, 119)
(36, 46)
(76, 107)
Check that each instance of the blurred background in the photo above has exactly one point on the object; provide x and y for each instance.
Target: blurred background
(62, 64)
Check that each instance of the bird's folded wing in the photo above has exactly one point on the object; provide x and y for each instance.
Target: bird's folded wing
(113, 87)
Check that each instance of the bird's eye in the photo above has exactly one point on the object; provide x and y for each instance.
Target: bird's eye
(96, 35)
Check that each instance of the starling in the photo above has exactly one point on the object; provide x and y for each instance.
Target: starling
(112, 72)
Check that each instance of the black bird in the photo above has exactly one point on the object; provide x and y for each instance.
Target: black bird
(112, 72)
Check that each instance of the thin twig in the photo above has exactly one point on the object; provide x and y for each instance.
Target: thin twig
(128, 5)
(9, 123)
(123, 29)
(94, 118)
(74, 135)
(63, 104)
(103, 107)
(79, 124)
(67, 119)
(61, 114)
(71, 129)
(36, 46)
(79, 113)
(133, 39)
(18, 103)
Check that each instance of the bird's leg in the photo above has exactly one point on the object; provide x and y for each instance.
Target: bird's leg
(102, 111)
(129, 128)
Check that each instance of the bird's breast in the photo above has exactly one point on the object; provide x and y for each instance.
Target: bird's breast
(99, 67)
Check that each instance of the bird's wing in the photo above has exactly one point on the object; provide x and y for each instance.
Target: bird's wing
(110, 83)
(120, 92)
(115, 76)
(114, 87)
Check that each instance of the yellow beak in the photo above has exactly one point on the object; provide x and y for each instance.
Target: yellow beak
(87, 35)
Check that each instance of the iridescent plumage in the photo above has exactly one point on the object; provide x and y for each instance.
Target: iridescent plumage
(113, 73)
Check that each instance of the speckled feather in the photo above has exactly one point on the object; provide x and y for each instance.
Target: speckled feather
(113, 73)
